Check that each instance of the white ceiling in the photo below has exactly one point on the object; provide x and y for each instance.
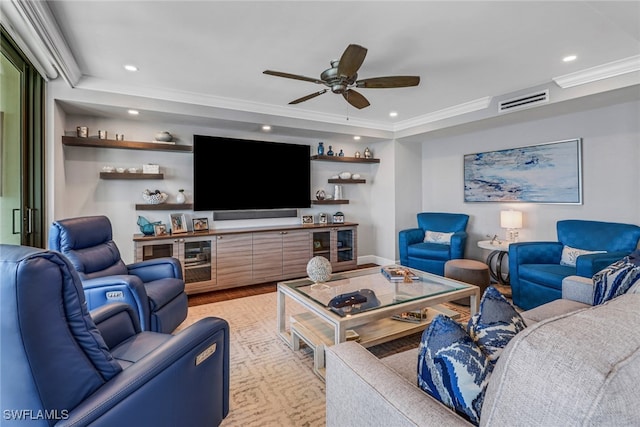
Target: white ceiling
(214, 52)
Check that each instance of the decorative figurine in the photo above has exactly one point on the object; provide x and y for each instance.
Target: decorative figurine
(367, 153)
(357, 155)
(320, 148)
(330, 152)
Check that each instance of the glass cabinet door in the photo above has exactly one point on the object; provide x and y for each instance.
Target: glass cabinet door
(344, 245)
(197, 261)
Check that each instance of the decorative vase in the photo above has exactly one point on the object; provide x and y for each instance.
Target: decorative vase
(330, 152)
(320, 194)
(180, 197)
(341, 153)
(164, 136)
(146, 227)
(367, 153)
(320, 148)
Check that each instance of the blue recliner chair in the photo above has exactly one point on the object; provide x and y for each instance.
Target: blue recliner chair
(535, 267)
(154, 288)
(63, 366)
(431, 256)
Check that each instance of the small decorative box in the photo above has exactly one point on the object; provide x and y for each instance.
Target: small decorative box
(150, 168)
(338, 218)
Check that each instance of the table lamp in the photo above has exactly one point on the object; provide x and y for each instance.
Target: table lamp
(512, 221)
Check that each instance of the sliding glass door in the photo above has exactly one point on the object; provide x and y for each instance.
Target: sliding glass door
(21, 148)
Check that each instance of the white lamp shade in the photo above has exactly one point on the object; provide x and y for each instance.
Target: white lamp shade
(510, 219)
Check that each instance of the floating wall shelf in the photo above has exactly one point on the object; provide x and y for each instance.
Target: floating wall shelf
(128, 145)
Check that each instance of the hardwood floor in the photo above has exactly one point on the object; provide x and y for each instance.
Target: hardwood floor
(240, 292)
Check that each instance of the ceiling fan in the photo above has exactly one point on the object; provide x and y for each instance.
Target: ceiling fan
(342, 77)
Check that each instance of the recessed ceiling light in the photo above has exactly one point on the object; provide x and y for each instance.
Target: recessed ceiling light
(266, 127)
(130, 67)
(393, 114)
(134, 112)
(569, 58)
(357, 138)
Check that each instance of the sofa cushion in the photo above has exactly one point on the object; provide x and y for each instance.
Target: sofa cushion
(615, 280)
(452, 367)
(581, 368)
(493, 326)
(570, 255)
(437, 237)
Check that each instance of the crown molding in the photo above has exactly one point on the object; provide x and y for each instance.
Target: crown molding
(445, 113)
(600, 72)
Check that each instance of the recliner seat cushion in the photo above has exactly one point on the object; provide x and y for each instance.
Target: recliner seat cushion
(431, 251)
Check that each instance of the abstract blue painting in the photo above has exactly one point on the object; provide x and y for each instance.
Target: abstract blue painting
(543, 173)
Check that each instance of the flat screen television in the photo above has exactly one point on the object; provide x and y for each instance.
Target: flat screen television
(240, 174)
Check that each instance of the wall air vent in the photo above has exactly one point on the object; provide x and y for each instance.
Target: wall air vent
(525, 101)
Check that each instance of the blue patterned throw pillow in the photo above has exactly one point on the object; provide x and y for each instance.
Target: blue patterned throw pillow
(452, 368)
(495, 323)
(615, 279)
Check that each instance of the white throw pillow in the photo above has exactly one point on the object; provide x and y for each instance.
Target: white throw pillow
(570, 255)
(437, 237)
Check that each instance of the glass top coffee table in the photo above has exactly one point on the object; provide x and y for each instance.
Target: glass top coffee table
(360, 304)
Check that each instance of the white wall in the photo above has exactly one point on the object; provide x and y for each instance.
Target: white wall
(76, 190)
(611, 175)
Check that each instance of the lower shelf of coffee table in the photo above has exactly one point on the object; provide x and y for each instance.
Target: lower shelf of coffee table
(371, 334)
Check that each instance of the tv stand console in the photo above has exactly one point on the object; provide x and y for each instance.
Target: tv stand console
(228, 258)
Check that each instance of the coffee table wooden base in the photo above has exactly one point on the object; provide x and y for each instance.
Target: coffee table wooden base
(317, 334)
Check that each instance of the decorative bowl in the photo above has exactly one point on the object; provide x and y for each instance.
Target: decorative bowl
(345, 175)
(120, 170)
(108, 169)
(163, 136)
(133, 170)
(355, 176)
(154, 198)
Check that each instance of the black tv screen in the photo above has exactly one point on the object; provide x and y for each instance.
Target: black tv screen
(240, 174)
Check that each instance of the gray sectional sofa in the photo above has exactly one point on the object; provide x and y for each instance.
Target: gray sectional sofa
(573, 365)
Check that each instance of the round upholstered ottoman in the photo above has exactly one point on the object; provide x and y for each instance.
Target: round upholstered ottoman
(468, 271)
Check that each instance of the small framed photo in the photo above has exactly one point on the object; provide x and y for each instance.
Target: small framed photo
(307, 219)
(200, 224)
(178, 223)
(160, 230)
(323, 218)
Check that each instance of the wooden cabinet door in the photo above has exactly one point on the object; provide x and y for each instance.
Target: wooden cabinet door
(234, 260)
(267, 256)
(296, 253)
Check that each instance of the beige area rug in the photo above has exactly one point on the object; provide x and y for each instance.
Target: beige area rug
(270, 384)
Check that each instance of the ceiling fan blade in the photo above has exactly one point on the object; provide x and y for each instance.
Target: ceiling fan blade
(388, 82)
(292, 76)
(356, 99)
(351, 60)
(308, 97)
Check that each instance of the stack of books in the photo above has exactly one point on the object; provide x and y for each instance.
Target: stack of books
(415, 316)
(398, 274)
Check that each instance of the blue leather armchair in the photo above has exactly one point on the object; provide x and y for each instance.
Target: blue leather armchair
(154, 288)
(61, 368)
(535, 268)
(431, 257)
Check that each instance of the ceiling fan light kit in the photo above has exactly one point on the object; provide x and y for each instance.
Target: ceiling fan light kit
(342, 77)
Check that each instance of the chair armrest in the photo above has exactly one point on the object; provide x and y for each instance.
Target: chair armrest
(408, 237)
(535, 253)
(456, 247)
(155, 269)
(589, 264)
(578, 288)
(361, 391)
(119, 288)
(116, 322)
(170, 373)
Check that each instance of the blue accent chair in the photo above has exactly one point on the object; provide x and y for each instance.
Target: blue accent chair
(63, 366)
(535, 269)
(431, 257)
(154, 288)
